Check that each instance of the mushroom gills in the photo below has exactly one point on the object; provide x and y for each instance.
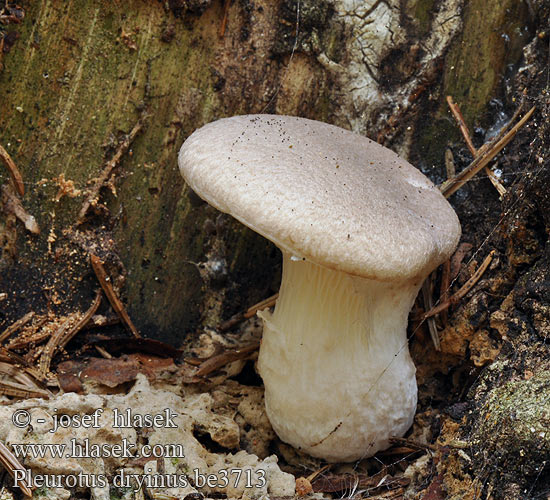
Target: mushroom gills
(339, 380)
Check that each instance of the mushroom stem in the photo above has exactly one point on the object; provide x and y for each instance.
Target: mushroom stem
(339, 380)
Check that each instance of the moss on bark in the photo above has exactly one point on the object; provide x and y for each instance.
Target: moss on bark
(72, 85)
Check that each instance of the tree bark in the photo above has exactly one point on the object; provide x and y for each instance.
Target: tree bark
(80, 73)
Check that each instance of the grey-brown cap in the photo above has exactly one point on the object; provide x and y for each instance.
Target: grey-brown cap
(322, 193)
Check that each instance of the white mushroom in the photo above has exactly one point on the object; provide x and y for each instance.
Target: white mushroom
(360, 229)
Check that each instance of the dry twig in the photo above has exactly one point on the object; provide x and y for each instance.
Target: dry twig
(503, 131)
(454, 299)
(103, 352)
(264, 304)
(15, 175)
(17, 372)
(413, 444)
(428, 304)
(487, 146)
(11, 464)
(12, 204)
(20, 342)
(482, 157)
(495, 182)
(21, 391)
(48, 351)
(314, 474)
(251, 311)
(444, 290)
(11, 357)
(485, 155)
(93, 195)
(462, 125)
(216, 362)
(467, 138)
(458, 257)
(226, 6)
(65, 339)
(10, 330)
(116, 304)
(398, 450)
(21, 363)
(64, 334)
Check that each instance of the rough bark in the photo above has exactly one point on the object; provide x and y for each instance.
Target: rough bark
(79, 73)
(73, 84)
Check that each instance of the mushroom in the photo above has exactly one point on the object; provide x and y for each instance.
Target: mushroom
(359, 229)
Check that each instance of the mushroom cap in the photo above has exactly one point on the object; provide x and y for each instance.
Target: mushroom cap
(322, 193)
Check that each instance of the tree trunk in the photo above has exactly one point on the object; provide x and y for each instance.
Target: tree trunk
(79, 74)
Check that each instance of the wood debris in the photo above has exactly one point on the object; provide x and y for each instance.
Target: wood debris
(11, 13)
(69, 328)
(427, 296)
(11, 464)
(347, 483)
(15, 175)
(458, 257)
(444, 289)
(16, 382)
(25, 376)
(414, 444)
(303, 486)
(251, 311)
(18, 374)
(461, 124)
(33, 339)
(116, 304)
(475, 153)
(226, 5)
(11, 357)
(66, 188)
(111, 372)
(314, 474)
(484, 155)
(455, 298)
(93, 194)
(10, 330)
(12, 204)
(216, 362)
(21, 391)
(46, 354)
